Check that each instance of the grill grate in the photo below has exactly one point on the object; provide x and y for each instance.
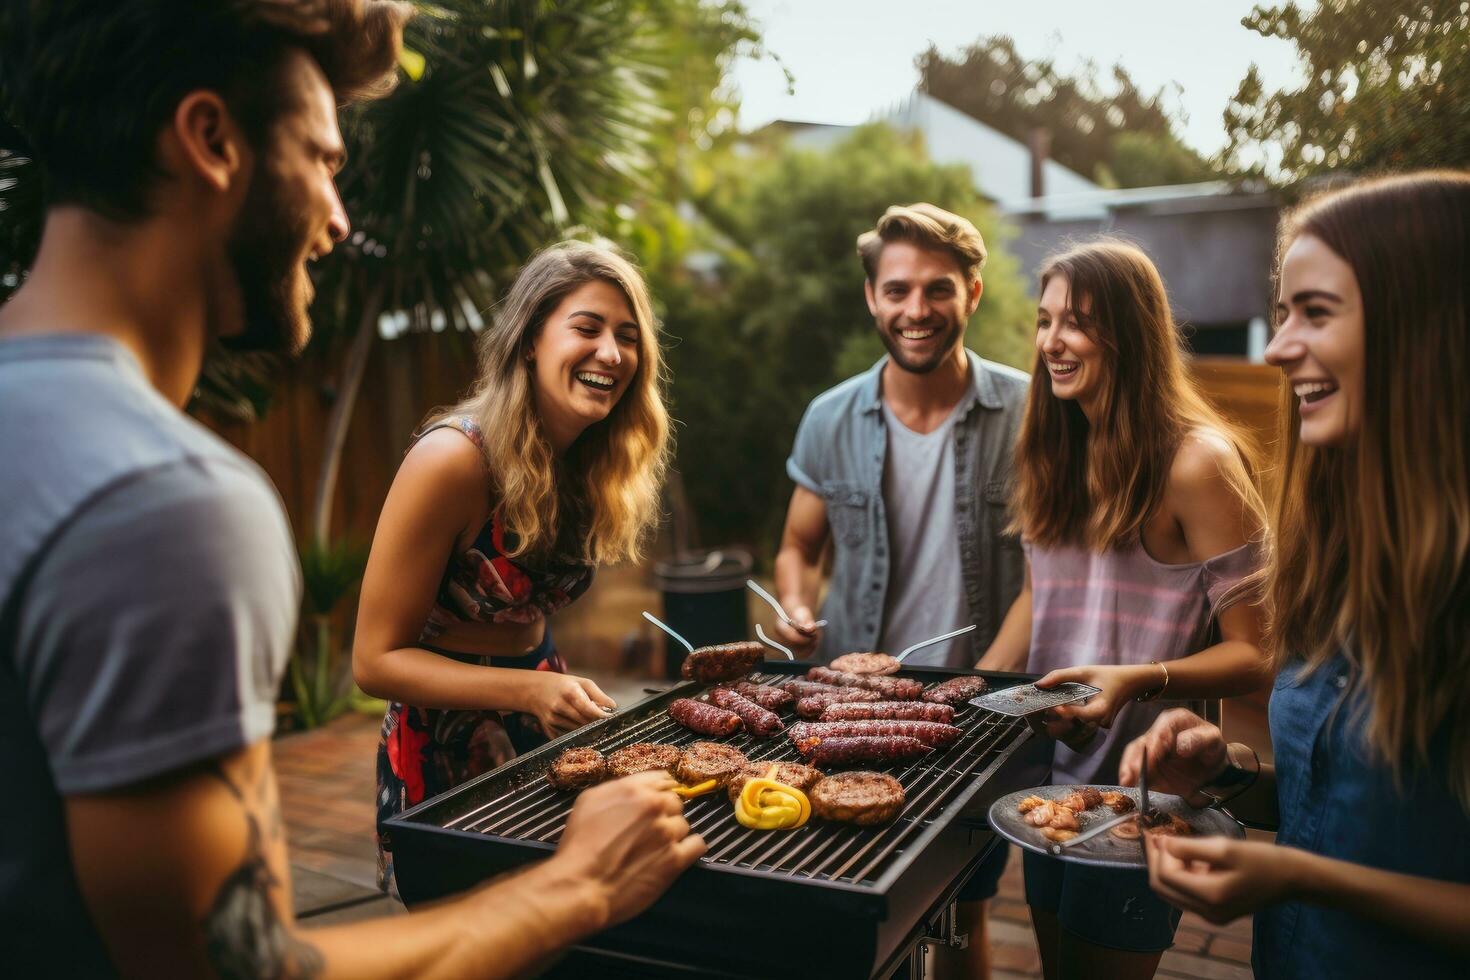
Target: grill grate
(821, 851)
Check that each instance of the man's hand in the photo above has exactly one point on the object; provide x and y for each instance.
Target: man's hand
(1185, 752)
(625, 843)
(802, 638)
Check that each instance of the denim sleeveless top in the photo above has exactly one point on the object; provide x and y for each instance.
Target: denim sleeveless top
(1120, 606)
(1339, 800)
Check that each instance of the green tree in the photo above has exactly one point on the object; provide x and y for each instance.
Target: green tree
(782, 316)
(1387, 88)
(1096, 128)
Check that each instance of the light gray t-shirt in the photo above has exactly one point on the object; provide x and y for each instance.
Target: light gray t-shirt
(149, 590)
(926, 594)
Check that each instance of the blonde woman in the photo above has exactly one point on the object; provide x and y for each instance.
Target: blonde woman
(1137, 508)
(1369, 875)
(501, 510)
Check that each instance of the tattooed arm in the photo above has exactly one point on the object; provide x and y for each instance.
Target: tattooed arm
(188, 876)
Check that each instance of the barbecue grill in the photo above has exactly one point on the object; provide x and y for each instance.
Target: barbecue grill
(830, 900)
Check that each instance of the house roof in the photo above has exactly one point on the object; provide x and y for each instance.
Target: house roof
(1000, 165)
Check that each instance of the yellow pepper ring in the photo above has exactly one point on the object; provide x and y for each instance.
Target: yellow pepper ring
(698, 789)
(765, 804)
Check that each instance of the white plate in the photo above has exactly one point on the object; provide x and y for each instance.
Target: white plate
(1104, 850)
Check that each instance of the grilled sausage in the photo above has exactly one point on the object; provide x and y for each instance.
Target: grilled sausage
(929, 732)
(805, 689)
(888, 711)
(758, 721)
(956, 690)
(813, 706)
(893, 688)
(703, 718)
(724, 662)
(768, 697)
(872, 748)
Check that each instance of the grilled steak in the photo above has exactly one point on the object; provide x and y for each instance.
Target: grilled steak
(768, 697)
(791, 773)
(862, 798)
(708, 760)
(758, 721)
(842, 751)
(931, 733)
(1083, 799)
(812, 706)
(956, 690)
(577, 769)
(703, 718)
(892, 688)
(643, 757)
(866, 663)
(888, 711)
(725, 662)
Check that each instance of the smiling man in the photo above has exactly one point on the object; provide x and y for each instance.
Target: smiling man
(149, 586)
(905, 470)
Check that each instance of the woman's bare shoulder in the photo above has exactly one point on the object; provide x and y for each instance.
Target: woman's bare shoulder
(445, 464)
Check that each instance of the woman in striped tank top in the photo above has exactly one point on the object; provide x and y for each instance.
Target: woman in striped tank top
(1141, 523)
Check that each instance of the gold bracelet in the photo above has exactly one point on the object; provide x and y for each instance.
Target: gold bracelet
(1156, 694)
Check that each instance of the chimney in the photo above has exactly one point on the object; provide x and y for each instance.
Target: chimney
(1040, 143)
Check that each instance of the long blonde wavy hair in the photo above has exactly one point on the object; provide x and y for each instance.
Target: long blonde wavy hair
(1372, 542)
(599, 502)
(1095, 485)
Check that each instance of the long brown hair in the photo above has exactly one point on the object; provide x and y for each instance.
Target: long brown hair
(601, 499)
(1372, 542)
(1096, 485)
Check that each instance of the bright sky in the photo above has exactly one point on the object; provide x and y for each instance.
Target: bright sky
(851, 58)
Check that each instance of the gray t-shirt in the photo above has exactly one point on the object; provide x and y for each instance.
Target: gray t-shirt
(926, 591)
(149, 590)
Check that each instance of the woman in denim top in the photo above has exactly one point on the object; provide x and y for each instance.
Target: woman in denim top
(1370, 589)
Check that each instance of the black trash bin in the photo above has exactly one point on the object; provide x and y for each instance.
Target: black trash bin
(704, 600)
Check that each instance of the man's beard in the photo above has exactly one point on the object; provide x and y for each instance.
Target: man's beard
(266, 251)
(949, 333)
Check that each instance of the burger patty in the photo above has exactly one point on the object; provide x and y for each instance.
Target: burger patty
(703, 761)
(643, 757)
(862, 798)
(866, 663)
(793, 774)
(577, 769)
(725, 662)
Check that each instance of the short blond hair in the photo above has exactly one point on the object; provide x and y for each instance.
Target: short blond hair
(928, 227)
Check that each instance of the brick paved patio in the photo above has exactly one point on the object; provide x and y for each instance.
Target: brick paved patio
(327, 789)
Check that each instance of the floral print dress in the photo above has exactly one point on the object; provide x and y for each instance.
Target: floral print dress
(427, 751)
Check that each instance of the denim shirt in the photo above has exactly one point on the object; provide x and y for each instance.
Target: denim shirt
(839, 454)
(1339, 800)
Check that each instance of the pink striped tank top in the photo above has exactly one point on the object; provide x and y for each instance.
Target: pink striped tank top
(1123, 607)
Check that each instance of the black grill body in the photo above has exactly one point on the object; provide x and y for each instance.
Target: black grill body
(828, 900)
